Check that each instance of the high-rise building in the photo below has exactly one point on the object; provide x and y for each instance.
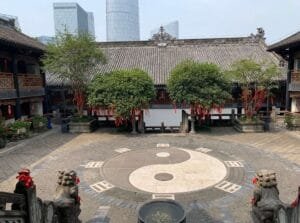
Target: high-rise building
(171, 28)
(72, 18)
(46, 39)
(122, 20)
(91, 25)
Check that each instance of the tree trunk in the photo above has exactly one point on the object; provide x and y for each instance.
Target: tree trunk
(133, 124)
(192, 124)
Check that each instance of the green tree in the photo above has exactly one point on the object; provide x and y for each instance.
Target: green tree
(200, 85)
(256, 81)
(69, 58)
(126, 92)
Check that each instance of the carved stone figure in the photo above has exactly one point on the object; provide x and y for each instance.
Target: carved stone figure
(67, 200)
(265, 202)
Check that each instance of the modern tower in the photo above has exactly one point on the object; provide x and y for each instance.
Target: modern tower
(122, 20)
(91, 25)
(73, 18)
(171, 28)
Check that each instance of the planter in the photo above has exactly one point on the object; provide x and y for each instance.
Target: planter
(255, 126)
(83, 127)
(162, 211)
(2, 143)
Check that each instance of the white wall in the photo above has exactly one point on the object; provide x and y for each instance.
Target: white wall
(170, 117)
(36, 108)
(295, 105)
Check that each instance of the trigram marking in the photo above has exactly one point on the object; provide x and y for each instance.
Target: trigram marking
(163, 145)
(234, 164)
(93, 165)
(122, 150)
(101, 186)
(163, 196)
(228, 187)
(101, 213)
(203, 150)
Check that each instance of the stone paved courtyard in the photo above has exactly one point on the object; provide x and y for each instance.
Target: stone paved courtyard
(209, 173)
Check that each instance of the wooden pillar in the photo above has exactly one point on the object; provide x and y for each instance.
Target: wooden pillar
(18, 112)
(192, 124)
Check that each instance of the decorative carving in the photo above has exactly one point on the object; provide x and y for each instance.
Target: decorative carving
(162, 36)
(265, 202)
(67, 200)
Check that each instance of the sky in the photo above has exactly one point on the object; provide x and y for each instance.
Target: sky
(197, 18)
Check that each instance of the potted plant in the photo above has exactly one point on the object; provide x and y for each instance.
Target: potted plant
(3, 135)
(19, 129)
(39, 123)
(82, 124)
(256, 80)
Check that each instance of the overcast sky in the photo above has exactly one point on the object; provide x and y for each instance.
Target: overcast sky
(197, 18)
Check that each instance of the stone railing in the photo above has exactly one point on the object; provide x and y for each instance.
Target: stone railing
(6, 81)
(30, 81)
(28, 208)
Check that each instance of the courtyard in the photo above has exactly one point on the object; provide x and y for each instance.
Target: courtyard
(209, 173)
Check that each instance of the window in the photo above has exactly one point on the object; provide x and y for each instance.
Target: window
(21, 67)
(5, 65)
(297, 64)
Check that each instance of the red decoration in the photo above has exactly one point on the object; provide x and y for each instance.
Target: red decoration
(9, 110)
(24, 176)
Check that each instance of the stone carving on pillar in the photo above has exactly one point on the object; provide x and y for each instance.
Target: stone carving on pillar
(67, 200)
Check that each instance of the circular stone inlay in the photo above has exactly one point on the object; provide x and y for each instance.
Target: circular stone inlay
(163, 154)
(163, 176)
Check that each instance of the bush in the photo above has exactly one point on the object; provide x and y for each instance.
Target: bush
(39, 122)
(18, 130)
(82, 119)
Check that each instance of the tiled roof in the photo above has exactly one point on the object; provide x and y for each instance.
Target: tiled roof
(159, 59)
(10, 36)
(291, 40)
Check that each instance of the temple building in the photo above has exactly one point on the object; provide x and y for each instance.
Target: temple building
(161, 54)
(22, 84)
(289, 48)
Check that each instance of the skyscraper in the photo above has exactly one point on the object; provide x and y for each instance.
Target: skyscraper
(91, 25)
(171, 28)
(73, 18)
(122, 20)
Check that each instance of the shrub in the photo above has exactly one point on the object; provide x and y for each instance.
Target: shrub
(39, 122)
(14, 127)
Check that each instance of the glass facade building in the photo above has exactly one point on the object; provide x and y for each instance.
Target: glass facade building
(122, 20)
(73, 18)
(171, 28)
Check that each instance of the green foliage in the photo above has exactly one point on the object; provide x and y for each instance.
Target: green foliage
(14, 127)
(70, 57)
(257, 80)
(201, 84)
(3, 130)
(82, 119)
(39, 121)
(247, 72)
(123, 91)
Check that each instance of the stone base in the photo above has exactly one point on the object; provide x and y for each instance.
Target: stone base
(249, 126)
(83, 127)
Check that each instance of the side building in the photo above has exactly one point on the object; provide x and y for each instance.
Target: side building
(22, 84)
(73, 18)
(289, 49)
(159, 56)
